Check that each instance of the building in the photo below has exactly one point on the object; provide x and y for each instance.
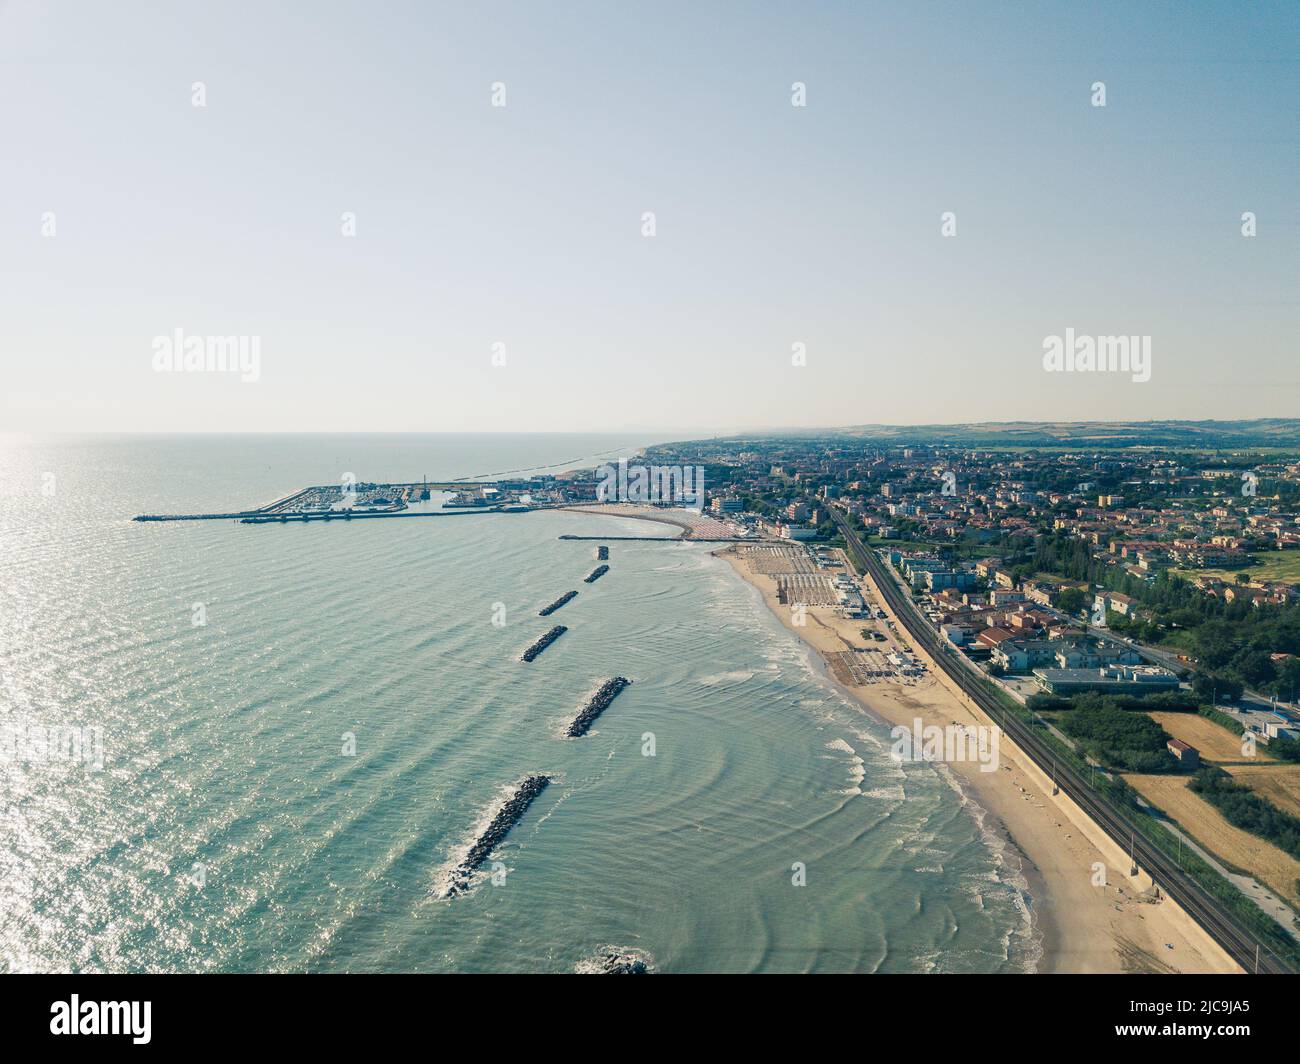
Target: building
(1042, 594)
(956, 634)
(1281, 730)
(936, 580)
(1084, 654)
(1188, 755)
(1110, 679)
(1121, 604)
(1000, 596)
(1021, 655)
(992, 636)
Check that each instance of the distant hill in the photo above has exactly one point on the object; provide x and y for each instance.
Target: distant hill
(1202, 435)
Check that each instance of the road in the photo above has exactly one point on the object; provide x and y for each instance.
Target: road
(1252, 708)
(1223, 927)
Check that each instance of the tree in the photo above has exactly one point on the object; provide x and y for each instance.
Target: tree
(1216, 688)
(1286, 684)
(1253, 667)
(1070, 600)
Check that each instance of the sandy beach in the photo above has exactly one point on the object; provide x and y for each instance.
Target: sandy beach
(1118, 927)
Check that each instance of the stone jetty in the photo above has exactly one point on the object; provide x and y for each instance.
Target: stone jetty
(600, 701)
(541, 644)
(556, 604)
(507, 817)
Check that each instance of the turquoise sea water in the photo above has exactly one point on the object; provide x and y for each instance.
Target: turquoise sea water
(227, 830)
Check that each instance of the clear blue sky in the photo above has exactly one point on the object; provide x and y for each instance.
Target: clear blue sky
(522, 224)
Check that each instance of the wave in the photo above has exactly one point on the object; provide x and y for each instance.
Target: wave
(736, 676)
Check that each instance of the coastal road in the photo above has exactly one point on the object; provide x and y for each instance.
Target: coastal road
(1222, 926)
(1252, 708)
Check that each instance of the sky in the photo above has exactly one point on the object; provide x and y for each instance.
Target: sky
(501, 275)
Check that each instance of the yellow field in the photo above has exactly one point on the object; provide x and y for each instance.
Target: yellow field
(1214, 741)
(1271, 866)
(1279, 782)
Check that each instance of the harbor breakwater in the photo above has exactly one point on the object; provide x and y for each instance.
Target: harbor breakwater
(615, 960)
(541, 644)
(595, 574)
(548, 610)
(600, 701)
(510, 813)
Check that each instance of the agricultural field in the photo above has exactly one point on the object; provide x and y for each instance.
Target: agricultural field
(1278, 781)
(1271, 866)
(1214, 741)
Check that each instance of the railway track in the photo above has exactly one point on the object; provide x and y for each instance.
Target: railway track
(1223, 927)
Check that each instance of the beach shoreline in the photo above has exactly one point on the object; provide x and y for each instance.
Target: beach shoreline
(1118, 925)
(1035, 887)
(1084, 928)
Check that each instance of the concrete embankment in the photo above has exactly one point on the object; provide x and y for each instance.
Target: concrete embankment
(596, 574)
(506, 818)
(600, 701)
(356, 515)
(189, 517)
(548, 610)
(541, 644)
(257, 517)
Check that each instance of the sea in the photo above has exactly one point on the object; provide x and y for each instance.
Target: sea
(251, 748)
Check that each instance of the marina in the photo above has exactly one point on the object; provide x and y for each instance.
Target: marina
(352, 498)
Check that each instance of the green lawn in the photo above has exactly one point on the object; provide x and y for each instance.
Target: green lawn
(1283, 565)
(963, 550)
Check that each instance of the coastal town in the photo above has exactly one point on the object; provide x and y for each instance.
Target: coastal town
(1042, 562)
(1135, 610)
(1129, 612)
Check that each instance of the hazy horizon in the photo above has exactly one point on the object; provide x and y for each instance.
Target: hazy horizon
(348, 197)
(666, 434)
